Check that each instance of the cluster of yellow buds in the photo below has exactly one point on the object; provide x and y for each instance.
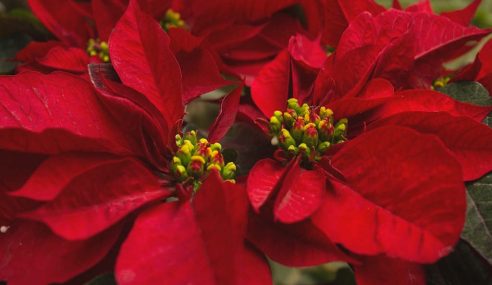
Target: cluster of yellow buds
(96, 47)
(441, 82)
(306, 131)
(195, 158)
(172, 19)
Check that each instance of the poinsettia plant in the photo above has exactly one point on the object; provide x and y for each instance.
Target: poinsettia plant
(220, 142)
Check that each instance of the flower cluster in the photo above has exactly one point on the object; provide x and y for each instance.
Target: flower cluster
(351, 155)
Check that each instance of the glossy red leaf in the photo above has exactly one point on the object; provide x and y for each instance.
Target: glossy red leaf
(200, 72)
(465, 15)
(299, 244)
(56, 113)
(106, 15)
(56, 172)
(35, 50)
(306, 51)
(469, 141)
(99, 198)
(227, 115)
(431, 101)
(270, 89)
(52, 259)
(376, 270)
(140, 53)
(415, 196)
(142, 121)
(239, 11)
(64, 20)
(262, 180)
(66, 58)
(300, 195)
(206, 233)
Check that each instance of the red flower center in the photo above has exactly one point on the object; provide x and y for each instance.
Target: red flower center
(172, 19)
(98, 48)
(195, 158)
(306, 131)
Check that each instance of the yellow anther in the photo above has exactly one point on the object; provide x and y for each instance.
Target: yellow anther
(172, 19)
(214, 166)
(98, 48)
(441, 82)
(196, 158)
(176, 160)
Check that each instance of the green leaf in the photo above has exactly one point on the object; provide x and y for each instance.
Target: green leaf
(478, 226)
(103, 279)
(468, 92)
(462, 267)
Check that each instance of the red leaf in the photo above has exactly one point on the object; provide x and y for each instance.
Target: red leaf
(64, 20)
(52, 259)
(403, 188)
(239, 11)
(270, 89)
(377, 270)
(227, 116)
(207, 233)
(301, 193)
(142, 121)
(465, 15)
(431, 101)
(56, 113)
(141, 56)
(435, 33)
(56, 172)
(106, 15)
(99, 198)
(469, 141)
(262, 180)
(299, 244)
(306, 51)
(200, 73)
(63, 58)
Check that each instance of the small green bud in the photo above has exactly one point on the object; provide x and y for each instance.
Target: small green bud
(275, 125)
(229, 171)
(285, 139)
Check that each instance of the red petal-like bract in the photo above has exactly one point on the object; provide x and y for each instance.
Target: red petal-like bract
(300, 194)
(140, 53)
(64, 20)
(56, 113)
(213, 11)
(402, 188)
(99, 198)
(262, 181)
(465, 15)
(299, 244)
(378, 270)
(227, 115)
(174, 241)
(470, 141)
(106, 15)
(270, 89)
(53, 259)
(56, 172)
(198, 67)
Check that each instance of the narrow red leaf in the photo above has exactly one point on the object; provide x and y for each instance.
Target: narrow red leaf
(140, 53)
(227, 115)
(270, 89)
(99, 198)
(262, 180)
